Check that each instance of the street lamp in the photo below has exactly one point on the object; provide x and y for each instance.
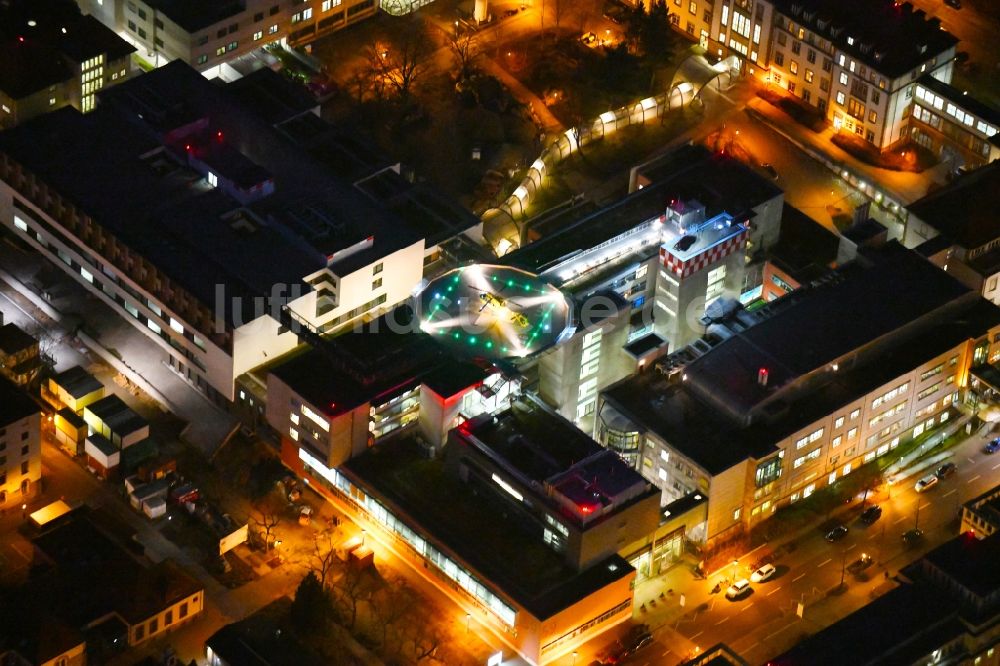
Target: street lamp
(574, 657)
(362, 536)
(736, 564)
(468, 618)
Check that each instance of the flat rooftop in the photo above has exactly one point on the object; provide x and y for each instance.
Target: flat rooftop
(77, 382)
(889, 36)
(805, 249)
(196, 15)
(147, 195)
(372, 364)
(264, 638)
(14, 340)
(720, 183)
(59, 36)
(544, 449)
(114, 413)
(15, 403)
(807, 329)
(493, 544)
(964, 210)
(709, 435)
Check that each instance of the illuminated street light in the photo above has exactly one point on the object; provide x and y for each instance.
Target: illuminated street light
(574, 657)
(468, 618)
(362, 537)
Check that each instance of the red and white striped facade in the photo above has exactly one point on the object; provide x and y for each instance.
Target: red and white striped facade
(712, 255)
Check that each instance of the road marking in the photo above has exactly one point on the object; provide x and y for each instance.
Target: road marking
(725, 619)
(851, 546)
(746, 607)
(778, 588)
(698, 634)
(971, 461)
(770, 636)
(900, 520)
(923, 506)
(747, 649)
(874, 535)
(950, 492)
(975, 478)
(995, 466)
(824, 562)
(802, 575)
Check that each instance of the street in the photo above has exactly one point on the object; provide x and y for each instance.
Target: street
(764, 623)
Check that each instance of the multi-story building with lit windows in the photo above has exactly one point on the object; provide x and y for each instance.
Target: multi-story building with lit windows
(854, 61)
(785, 400)
(959, 129)
(211, 35)
(220, 229)
(52, 57)
(857, 61)
(20, 445)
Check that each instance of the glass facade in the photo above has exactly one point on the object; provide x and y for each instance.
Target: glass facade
(378, 513)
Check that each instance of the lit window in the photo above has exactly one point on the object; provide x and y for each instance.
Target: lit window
(293, 433)
(852, 433)
(662, 473)
(736, 513)
(273, 29)
(839, 422)
(257, 35)
(213, 180)
(52, 101)
(850, 41)
(841, 98)
(307, 14)
(843, 78)
(855, 414)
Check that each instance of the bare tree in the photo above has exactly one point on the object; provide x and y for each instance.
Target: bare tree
(463, 48)
(324, 559)
(408, 60)
(353, 588)
(390, 605)
(266, 520)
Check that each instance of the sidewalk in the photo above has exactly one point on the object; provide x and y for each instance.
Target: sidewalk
(70, 308)
(905, 187)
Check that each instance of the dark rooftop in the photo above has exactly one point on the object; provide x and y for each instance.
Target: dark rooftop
(372, 364)
(77, 382)
(720, 183)
(645, 344)
(85, 564)
(969, 562)
(14, 403)
(195, 15)
(889, 36)
(805, 249)
(709, 435)
(899, 627)
(48, 54)
(805, 330)
(13, 340)
(149, 196)
(965, 209)
(264, 638)
(119, 417)
(493, 543)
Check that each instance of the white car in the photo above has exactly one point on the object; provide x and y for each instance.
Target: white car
(926, 483)
(739, 589)
(762, 574)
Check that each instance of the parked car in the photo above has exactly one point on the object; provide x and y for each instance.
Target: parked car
(946, 470)
(738, 590)
(871, 514)
(837, 533)
(910, 537)
(926, 483)
(511, 12)
(992, 446)
(956, 4)
(589, 39)
(637, 643)
(860, 564)
(764, 573)
(769, 170)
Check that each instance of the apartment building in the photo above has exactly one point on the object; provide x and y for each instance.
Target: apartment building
(786, 400)
(857, 61)
(211, 35)
(19, 359)
(959, 129)
(20, 446)
(51, 56)
(220, 229)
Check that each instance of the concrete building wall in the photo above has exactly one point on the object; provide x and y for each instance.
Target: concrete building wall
(20, 460)
(616, 533)
(167, 619)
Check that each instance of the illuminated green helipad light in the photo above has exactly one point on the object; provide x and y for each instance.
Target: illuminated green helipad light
(489, 344)
(472, 339)
(510, 283)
